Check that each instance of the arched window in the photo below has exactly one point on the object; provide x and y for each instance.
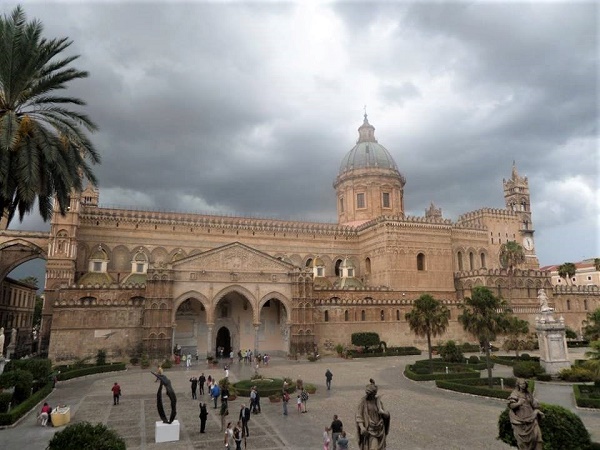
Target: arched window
(585, 305)
(460, 261)
(397, 314)
(368, 266)
(326, 318)
(420, 261)
(499, 291)
(471, 265)
(346, 316)
(382, 315)
(568, 305)
(309, 262)
(363, 315)
(337, 267)
(482, 257)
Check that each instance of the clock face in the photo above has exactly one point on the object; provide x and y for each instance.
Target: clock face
(528, 243)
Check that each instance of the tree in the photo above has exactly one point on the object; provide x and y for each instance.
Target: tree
(429, 317)
(597, 264)
(511, 256)
(365, 339)
(484, 316)
(567, 271)
(30, 280)
(86, 435)
(591, 329)
(593, 363)
(516, 330)
(44, 150)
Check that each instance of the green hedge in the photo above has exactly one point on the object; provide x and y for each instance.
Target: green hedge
(478, 386)
(76, 373)
(512, 360)
(468, 373)
(585, 401)
(19, 411)
(265, 387)
(391, 351)
(438, 362)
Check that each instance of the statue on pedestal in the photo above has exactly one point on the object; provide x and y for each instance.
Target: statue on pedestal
(543, 299)
(524, 417)
(1, 342)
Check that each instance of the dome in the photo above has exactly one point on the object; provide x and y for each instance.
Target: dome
(367, 153)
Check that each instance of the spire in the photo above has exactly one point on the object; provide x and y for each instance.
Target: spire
(366, 132)
(515, 174)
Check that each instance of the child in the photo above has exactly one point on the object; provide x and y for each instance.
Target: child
(299, 401)
(325, 440)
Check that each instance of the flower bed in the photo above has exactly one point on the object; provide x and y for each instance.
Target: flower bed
(587, 395)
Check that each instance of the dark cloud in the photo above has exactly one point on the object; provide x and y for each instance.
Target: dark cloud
(248, 108)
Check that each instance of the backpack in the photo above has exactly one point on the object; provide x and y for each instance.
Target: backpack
(304, 396)
(286, 397)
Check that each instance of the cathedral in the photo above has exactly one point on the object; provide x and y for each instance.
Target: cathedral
(143, 282)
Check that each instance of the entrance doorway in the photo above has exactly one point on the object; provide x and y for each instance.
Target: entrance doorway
(224, 341)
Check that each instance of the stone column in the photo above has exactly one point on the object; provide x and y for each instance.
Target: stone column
(554, 355)
(256, 328)
(209, 337)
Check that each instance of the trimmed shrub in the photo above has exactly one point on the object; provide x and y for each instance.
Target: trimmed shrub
(22, 380)
(101, 357)
(474, 359)
(525, 356)
(561, 429)
(76, 373)
(576, 374)
(40, 368)
(544, 377)
(5, 399)
(450, 352)
(587, 396)
(365, 339)
(85, 435)
(479, 386)
(409, 372)
(527, 369)
(265, 386)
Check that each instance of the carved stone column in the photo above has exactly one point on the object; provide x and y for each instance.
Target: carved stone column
(256, 328)
(209, 337)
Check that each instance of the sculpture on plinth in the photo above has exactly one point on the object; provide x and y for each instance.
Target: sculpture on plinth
(164, 381)
(543, 299)
(524, 417)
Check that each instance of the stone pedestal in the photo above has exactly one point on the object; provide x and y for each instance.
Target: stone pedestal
(554, 355)
(166, 432)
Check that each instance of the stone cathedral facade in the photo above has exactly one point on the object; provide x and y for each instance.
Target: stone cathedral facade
(128, 281)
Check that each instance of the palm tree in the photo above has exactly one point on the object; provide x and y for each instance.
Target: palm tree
(597, 264)
(511, 256)
(591, 329)
(484, 316)
(43, 145)
(429, 317)
(567, 271)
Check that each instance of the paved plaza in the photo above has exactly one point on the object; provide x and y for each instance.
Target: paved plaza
(422, 416)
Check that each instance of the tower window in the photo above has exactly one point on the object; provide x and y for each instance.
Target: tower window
(385, 200)
(341, 204)
(346, 316)
(382, 314)
(460, 261)
(326, 318)
(360, 200)
(363, 316)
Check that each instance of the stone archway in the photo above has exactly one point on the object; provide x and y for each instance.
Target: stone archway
(190, 329)
(223, 342)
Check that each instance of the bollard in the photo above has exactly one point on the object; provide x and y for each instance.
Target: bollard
(446, 369)
(502, 383)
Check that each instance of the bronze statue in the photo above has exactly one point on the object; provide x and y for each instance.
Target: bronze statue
(164, 381)
(372, 421)
(524, 416)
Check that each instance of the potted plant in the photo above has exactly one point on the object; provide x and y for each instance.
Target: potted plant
(310, 388)
(274, 398)
(339, 349)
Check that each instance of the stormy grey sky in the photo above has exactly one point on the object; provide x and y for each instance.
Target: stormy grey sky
(247, 108)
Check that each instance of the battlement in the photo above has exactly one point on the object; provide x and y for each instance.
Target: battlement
(577, 290)
(496, 213)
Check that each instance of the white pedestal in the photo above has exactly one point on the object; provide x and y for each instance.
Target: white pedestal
(166, 432)
(554, 354)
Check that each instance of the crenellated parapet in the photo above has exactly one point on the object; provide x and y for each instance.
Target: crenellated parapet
(496, 213)
(189, 220)
(333, 298)
(577, 290)
(502, 272)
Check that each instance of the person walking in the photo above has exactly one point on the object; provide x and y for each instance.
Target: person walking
(342, 442)
(201, 382)
(244, 418)
(237, 436)
(228, 437)
(116, 390)
(328, 378)
(215, 392)
(203, 416)
(336, 429)
(285, 398)
(299, 403)
(194, 386)
(326, 440)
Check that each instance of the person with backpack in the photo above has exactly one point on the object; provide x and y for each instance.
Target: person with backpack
(237, 436)
(285, 397)
(304, 398)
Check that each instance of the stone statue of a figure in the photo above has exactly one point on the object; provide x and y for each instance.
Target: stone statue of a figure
(13, 337)
(164, 381)
(543, 299)
(524, 417)
(1, 341)
(372, 421)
